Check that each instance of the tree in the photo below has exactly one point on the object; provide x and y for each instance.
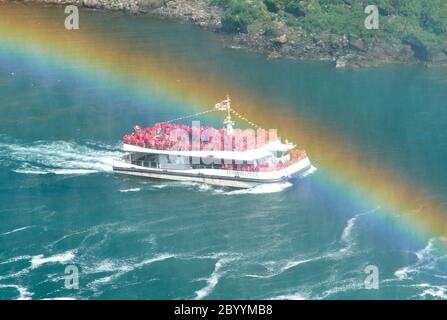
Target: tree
(273, 5)
(434, 16)
(295, 7)
(238, 16)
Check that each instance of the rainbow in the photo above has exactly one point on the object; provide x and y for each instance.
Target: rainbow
(193, 86)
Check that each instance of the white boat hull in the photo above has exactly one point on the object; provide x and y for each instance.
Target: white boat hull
(218, 177)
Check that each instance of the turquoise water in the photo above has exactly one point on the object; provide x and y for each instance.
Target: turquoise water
(131, 238)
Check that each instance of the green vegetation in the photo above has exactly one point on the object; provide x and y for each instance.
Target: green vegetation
(424, 21)
(238, 15)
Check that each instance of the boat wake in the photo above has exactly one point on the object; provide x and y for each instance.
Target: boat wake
(311, 170)
(261, 189)
(266, 188)
(201, 187)
(56, 157)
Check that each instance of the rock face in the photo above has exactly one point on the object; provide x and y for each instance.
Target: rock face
(199, 12)
(131, 6)
(358, 45)
(342, 50)
(196, 11)
(282, 39)
(440, 56)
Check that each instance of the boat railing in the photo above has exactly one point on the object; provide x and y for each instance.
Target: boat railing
(149, 164)
(157, 165)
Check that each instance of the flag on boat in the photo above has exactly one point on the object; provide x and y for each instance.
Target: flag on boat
(222, 106)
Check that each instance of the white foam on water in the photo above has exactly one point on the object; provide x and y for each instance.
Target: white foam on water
(428, 291)
(56, 171)
(213, 279)
(71, 171)
(439, 292)
(118, 268)
(39, 260)
(347, 231)
(340, 287)
(30, 171)
(15, 259)
(20, 273)
(404, 273)
(58, 157)
(292, 296)
(222, 259)
(196, 186)
(427, 259)
(260, 189)
(108, 266)
(130, 190)
(292, 264)
(15, 230)
(347, 235)
(311, 170)
(204, 187)
(24, 294)
(276, 268)
(158, 258)
(185, 183)
(160, 186)
(104, 280)
(426, 252)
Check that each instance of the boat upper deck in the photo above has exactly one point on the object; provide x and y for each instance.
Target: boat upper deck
(249, 155)
(173, 139)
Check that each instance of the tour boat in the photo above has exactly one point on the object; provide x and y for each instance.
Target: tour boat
(224, 157)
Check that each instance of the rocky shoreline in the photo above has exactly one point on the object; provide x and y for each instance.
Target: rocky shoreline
(343, 51)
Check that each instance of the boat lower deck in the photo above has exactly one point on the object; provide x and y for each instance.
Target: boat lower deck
(226, 178)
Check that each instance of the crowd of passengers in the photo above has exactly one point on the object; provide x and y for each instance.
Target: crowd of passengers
(159, 137)
(295, 156)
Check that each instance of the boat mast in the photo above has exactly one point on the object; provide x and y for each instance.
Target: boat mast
(228, 122)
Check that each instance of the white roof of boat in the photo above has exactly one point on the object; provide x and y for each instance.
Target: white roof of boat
(278, 146)
(249, 155)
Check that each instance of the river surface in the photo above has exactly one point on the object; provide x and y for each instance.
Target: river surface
(67, 98)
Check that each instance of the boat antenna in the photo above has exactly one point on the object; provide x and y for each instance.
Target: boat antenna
(228, 122)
